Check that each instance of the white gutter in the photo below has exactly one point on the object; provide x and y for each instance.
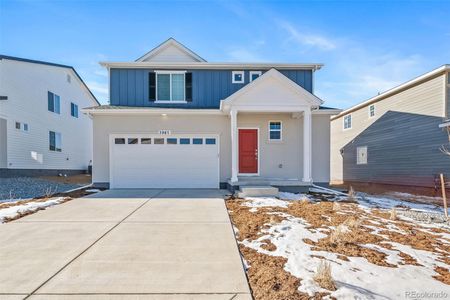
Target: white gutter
(444, 125)
(394, 90)
(151, 111)
(206, 65)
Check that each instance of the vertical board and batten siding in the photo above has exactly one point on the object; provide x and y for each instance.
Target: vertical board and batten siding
(402, 148)
(426, 98)
(130, 87)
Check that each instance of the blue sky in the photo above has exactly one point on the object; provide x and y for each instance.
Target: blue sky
(366, 46)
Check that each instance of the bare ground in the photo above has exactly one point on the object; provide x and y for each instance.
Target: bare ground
(267, 275)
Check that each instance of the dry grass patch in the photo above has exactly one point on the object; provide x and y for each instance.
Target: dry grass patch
(323, 276)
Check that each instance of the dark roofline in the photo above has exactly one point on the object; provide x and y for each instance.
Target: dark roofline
(50, 64)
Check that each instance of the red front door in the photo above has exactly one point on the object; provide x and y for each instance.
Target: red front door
(248, 151)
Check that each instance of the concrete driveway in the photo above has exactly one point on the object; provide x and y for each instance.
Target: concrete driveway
(124, 244)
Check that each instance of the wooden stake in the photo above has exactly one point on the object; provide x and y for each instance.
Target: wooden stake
(444, 196)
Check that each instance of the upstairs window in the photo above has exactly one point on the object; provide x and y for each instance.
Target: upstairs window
(371, 111)
(170, 86)
(54, 103)
(237, 77)
(275, 128)
(254, 75)
(74, 110)
(55, 141)
(347, 121)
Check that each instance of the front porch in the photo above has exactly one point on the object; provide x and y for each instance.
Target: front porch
(286, 162)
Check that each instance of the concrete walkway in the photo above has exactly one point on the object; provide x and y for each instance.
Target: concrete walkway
(124, 244)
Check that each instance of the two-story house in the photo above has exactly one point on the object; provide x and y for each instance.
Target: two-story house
(394, 138)
(42, 131)
(177, 121)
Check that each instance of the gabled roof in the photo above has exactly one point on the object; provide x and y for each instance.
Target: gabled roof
(170, 48)
(53, 65)
(260, 89)
(402, 87)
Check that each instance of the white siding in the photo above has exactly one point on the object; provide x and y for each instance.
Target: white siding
(426, 98)
(26, 85)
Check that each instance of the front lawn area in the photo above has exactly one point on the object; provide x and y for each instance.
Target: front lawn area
(358, 248)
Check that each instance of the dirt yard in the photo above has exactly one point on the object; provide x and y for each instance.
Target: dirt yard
(303, 249)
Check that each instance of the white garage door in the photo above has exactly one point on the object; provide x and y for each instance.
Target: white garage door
(140, 161)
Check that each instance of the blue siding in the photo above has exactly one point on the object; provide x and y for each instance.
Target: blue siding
(402, 148)
(129, 87)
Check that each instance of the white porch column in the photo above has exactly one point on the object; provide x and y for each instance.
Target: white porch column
(234, 146)
(307, 141)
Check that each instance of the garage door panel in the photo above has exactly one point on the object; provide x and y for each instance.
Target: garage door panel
(164, 166)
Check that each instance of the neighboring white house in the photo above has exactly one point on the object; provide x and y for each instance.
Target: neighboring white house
(42, 130)
(177, 121)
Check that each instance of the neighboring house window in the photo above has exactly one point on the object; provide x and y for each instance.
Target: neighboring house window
(254, 75)
(54, 141)
(372, 111)
(347, 121)
(25, 127)
(237, 77)
(170, 86)
(361, 155)
(21, 126)
(275, 131)
(54, 103)
(74, 110)
(18, 125)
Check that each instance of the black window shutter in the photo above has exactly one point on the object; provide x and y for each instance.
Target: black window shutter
(151, 86)
(51, 104)
(188, 85)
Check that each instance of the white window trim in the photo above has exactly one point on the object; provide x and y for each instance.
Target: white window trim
(259, 73)
(235, 73)
(170, 86)
(351, 122)
(281, 131)
(357, 155)
(372, 105)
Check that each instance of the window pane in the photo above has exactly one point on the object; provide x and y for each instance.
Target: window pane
(237, 77)
(51, 139)
(58, 141)
(172, 141)
(163, 83)
(146, 141)
(132, 141)
(275, 125)
(119, 141)
(177, 87)
(57, 104)
(51, 103)
(275, 135)
(159, 141)
(210, 141)
(197, 141)
(25, 127)
(17, 125)
(184, 141)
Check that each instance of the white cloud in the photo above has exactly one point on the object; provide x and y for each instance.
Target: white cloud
(99, 89)
(307, 39)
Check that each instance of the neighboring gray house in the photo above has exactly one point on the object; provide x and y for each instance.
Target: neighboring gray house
(394, 138)
(42, 131)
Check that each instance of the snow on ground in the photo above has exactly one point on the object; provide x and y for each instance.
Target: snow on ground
(356, 278)
(14, 211)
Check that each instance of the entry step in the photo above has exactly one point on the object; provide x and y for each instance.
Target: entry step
(258, 191)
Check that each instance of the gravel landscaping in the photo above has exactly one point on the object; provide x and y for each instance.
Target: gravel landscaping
(12, 189)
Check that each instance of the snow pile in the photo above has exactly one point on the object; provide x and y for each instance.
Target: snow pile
(256, 202)
(356, 278)
(29, 207)
(292, 196)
